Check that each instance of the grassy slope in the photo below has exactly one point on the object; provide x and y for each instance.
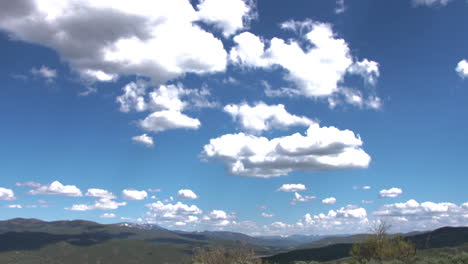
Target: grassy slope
(111, 251)
(439, 238)
(33, 241)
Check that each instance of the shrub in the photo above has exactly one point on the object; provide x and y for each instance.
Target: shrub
(380, 247)
(241, 254)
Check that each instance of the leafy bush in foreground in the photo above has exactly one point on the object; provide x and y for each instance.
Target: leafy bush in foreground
(438, 256)
(238, 255)
(381, 247)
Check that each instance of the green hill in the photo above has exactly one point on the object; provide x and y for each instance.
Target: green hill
(439, 238)
(36, 241)
(28, 241)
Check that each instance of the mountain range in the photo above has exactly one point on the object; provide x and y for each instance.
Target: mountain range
(79, 241)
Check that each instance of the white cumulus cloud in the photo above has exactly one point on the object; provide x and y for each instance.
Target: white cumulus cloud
(217, 218)
(249, 51)
(390, 193)
(7, 194)
(101, 204)
(166, 120)
(330, 200)
(56, 188)
(100, 193)
(166, 104)
(265, 215)
(227, 15)
(170, 214)
(427, 215)
(108, 215)
(298, 198)
(144, 140)
(263, 117)
(321, 148)
(292, 188)
(103, 39)
(131, 194)
(340, 7)
(186, 194)
(318, 71)
(369, 70)
(14, 206)
(462, 68)
(336, 221)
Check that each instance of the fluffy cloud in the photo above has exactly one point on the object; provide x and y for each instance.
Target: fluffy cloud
(178, 214)
(330, 200)
(107, 204)
(166, 104)
(318, 71)
(136, 97)
(321, 148)
(144, 140)
(301, 198)
(279, 225)
(412, 214)
(462, 68)
(263, 117)
(185, 194)
(101, 204)
(430, 2)
(340, 7)
(369, 70)
(79, 207)
(165, 120)
(265, 215)
(227, 15)
(336, 221)
(103, 39)
(390, 193)
(100, 193)
(249, 51)
(7, 194)
(217, 218)
(354, 97)
(133, 97)
(108, 215)
(292, 188)
(56, 188)
(130, 194)
(14, 206)
(44, 72)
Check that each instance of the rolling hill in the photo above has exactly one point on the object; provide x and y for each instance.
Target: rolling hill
(25, 241)
(439, 238)
(78, 241)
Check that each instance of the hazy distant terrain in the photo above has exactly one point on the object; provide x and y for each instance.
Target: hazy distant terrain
(339, 247)
(34, 241)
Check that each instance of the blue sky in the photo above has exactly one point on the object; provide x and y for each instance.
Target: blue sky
(315, 117)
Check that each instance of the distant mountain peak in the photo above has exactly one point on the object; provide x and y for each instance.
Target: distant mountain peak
(144, 226)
